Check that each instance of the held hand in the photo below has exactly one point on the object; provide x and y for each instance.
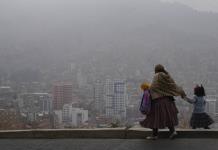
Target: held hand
(185, 98)
(183, 95)
(182, 92)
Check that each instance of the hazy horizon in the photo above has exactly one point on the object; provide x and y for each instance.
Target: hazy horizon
(201, 5)
(36, 33)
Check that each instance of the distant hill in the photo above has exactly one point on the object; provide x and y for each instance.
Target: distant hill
(139, 33)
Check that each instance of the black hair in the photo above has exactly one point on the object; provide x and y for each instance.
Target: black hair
(199, 91)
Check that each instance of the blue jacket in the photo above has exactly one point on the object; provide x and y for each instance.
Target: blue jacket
(198, 102)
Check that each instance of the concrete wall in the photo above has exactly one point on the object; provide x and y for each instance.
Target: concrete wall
(117, 133)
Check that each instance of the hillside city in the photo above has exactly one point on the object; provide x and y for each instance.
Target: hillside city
(81, 99)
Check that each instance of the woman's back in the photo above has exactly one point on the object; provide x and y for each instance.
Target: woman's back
(164, 85)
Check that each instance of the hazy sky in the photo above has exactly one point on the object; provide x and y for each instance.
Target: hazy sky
(205, 5)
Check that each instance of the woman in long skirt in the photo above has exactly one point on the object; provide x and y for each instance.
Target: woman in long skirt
(163, 112)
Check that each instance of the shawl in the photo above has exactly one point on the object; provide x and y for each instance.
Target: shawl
(164, 85)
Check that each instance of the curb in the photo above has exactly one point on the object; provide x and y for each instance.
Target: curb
(119, 133)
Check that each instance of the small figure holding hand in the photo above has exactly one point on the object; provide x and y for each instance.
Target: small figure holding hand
(199, 118)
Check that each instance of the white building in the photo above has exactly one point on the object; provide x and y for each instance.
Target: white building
(211, 106)
(74, 117)
(99, 96)
(37, 102)
(215, 125)
(58, 119)
(81, 79)
(115, 99)
(212, 109)
(34, 105)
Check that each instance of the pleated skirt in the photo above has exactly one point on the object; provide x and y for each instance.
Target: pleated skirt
(200, 120)
(163, 114)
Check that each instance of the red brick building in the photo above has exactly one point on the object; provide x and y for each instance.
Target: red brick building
(62, 94)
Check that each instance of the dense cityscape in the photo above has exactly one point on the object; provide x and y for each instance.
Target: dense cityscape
(86, 100)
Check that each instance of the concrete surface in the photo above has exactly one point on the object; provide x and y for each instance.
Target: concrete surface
(108, 133)
(108, 144)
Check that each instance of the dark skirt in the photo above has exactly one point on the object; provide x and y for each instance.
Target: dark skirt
(163, 114)
(200, 120)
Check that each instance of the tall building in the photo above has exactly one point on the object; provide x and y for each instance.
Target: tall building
(99, 96)
(74, 117)
(62, 94)
(115, 99)
(81, 79)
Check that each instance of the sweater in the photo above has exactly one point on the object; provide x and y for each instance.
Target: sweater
(198, 102)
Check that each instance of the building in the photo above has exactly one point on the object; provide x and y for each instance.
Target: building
(74, 117)
(57, 122)
(62, 94)
(115, 99)
(216, 97)
(81, 79)
(35, 105)
(10, 120)
(99, 97)
(211, 106)
(215, 125)
(7, 97)
(212, 109)
(31, 87)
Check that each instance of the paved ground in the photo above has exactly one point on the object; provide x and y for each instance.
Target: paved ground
(111, 144)
(108, 144)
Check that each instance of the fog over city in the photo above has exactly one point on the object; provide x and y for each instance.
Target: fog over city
(208, 5)
(41, 33)
(92, 42)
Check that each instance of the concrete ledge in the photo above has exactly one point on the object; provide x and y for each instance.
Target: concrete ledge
(117, 133)
(188, 133)
(66, 133)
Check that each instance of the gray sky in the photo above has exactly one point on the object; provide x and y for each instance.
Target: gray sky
(203, 5)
